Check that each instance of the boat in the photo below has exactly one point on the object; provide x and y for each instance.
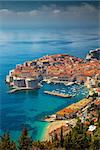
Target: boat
(48, 81)
(70, 83)
(57, 89)
(63, 90)
(73, 95)
(40, 85)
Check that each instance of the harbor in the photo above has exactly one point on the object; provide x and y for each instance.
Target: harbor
(49, 75)
(51, 99)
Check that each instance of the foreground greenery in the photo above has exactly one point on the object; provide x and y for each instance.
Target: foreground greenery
(79, 138)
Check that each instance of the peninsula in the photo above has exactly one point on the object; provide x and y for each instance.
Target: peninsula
(58, 68)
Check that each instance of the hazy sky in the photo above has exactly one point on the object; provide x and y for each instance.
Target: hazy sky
(49, 14)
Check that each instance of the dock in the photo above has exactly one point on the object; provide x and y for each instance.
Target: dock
(20, 89)
(54, 93)
(12, 91)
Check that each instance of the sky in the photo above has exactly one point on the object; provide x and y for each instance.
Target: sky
(29, 14)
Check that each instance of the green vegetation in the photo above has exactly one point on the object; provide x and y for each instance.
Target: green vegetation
(79, 138)
(25, 142)
(6, 143)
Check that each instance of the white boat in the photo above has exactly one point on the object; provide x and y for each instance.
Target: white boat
(70, 83)
(48, 81)
(63, 90)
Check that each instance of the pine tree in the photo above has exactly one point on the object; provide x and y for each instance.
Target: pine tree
(6, 143)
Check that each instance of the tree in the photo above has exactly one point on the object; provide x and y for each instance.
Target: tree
(96, 139)
(67, 141)
(77, 138)
(6, 143)
(61, 137)
(55, 140)
(25, 142)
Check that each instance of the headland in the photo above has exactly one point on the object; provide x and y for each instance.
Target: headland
(60, 68)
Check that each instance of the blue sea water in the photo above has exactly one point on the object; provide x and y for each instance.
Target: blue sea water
(27, 108)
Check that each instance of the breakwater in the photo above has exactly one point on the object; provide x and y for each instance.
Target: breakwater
(54, 93)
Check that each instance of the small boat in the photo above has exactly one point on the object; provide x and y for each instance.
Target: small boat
(48, 81)
(63, 90)
(57, 89)
(70, 83)
(73, 95)
(40, 85)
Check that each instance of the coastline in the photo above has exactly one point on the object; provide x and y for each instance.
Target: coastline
(56, 124)
(53, 126)
(41, 136)
(20, 80)
(59, 123)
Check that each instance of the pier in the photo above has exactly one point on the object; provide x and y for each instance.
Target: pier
(12, 91)
(19, 89)
(58, 94)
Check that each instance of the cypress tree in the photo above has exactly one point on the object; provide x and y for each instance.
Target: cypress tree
(55, 141)
(25, 142)
(61, 137)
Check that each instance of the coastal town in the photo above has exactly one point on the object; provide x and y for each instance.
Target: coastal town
(58, 68)
(62, 68)
(49, 74)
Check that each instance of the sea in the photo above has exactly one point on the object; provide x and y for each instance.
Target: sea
(28, 108)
